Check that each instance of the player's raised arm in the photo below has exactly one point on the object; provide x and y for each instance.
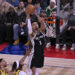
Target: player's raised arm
(29, 24)
(24, 57)
(42, 27)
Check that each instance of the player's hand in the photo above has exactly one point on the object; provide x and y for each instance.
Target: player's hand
(39, 18)
(28, 16)
(28, 51)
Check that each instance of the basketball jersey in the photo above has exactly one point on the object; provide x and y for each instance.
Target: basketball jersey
(17, 72)
(2, 72)
(39, 44)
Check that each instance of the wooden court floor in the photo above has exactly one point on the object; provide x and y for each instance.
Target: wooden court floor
(52, 66)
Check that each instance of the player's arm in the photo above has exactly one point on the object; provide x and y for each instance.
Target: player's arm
(29, 24)
(42, 27)
(24, 57)
(30, 31)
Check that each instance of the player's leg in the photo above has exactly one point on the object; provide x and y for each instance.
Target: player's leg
(37, 71)
(33, 70)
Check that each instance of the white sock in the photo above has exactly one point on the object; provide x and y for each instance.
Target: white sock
(37, 71)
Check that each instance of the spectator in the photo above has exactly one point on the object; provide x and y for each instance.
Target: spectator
(46, 2)
(72, 29)
(17, 66)
(13, 2)
(22, 17)
(1, 1)
(29, 2)
(20, 9)
(51, 31)
(2, 27)
(5, 7)
(63, 30)
(52, 6)
(25, 2)
(38, 7)
(21, 34)
(11, 19)
(43, 13)
(42, 3)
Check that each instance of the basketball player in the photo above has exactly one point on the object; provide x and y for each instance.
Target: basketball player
(3, 69)
(18, 65)
(36, 60)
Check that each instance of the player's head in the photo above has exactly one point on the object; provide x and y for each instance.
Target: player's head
(16, 66)
(35, 25)
(3, 63)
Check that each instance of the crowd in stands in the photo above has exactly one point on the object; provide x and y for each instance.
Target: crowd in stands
(13, 17)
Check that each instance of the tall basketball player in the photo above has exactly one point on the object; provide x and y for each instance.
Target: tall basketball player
(36, 59)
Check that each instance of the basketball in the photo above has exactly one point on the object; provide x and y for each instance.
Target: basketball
(30, 9)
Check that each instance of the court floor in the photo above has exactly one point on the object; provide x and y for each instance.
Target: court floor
(52, 66)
